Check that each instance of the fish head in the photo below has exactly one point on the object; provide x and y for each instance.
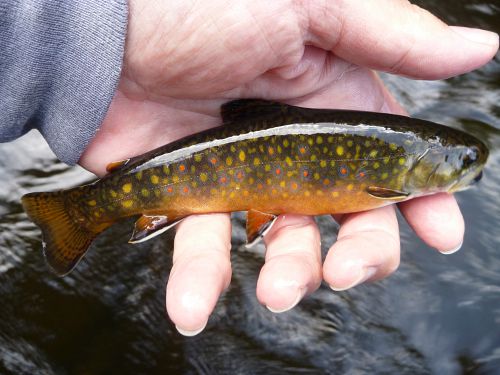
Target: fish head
(449, 168)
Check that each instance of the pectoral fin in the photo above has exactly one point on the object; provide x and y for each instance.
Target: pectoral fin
(386, 193)
(258, 223)
(147, 227)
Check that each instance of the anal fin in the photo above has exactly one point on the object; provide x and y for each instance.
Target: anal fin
(147, 227)
(258, 223)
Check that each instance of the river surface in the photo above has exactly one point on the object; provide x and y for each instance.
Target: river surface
(436, 315)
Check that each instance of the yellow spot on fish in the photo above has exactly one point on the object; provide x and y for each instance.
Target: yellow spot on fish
(335, 194)
(279, 149)
(242, 155)
(393, 146)
(127, 188)
(92, 202)
(368, 143)
(97, 214)
(232, 148)
(166, 169)
(386, 159)
(175, 179)
(213, 191)
(313, 158)
(401, 161)
(270, 150)
(319, 192)
(288, 160)
(251, 180)
(332, 163)
(138, 175)
(350, 143)
(198, 157)
(246, 193)
(310, 141)
(322, 163)
(256, 161)
(155, 179)
(232, 194)
(193, 169)
(373, 153)
(128, 203)
(319, 139)
(376, 165)
(286, 143)
(229, 161)
(330, 139)
(340, 150)
(267, 167)
(113, 193)
(350, 187)
(307, 193)
(316, 176)
(145, 192)
(384, 176)
(203, 177)
(194, 184)
(282, 183)
(285, 195)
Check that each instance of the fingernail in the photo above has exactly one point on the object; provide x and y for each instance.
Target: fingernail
(187, 333)
(365, 273)
(454, 250)
(300, 293)
(477, 35)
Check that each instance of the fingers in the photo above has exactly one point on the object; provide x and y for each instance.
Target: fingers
(201, 270)
(398, 37)
(437, 220)
(367, 248)
(293, 263)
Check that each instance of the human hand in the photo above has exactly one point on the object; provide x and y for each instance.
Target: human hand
(184, 59)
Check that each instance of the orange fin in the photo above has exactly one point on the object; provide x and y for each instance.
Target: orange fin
(147, 227)
(116, 165)
(65, 240)
(385, 193)
(258, 223)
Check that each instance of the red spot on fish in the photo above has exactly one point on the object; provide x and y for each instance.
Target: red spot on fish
(170, 189)
(343, 171)
(185, 189)
(240, 175)
(182, 168)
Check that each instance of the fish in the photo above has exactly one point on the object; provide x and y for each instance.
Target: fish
(267, 158)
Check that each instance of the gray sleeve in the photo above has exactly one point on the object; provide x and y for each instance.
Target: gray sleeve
(60, 63)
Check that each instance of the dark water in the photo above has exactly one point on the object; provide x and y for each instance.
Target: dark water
(437, 314)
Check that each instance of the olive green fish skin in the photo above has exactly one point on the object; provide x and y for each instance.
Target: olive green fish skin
(267, 157)
(323, 163)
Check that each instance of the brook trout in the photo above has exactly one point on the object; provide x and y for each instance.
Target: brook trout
(267, 158)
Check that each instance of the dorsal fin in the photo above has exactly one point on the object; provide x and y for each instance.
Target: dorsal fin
(249, 109)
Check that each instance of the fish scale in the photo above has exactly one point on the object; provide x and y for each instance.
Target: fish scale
(267, 158)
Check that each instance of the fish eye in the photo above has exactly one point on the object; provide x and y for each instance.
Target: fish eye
(469, 157)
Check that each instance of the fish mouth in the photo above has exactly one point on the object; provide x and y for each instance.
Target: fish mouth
(478, 177)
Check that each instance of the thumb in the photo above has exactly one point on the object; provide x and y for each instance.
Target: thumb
(398, 37)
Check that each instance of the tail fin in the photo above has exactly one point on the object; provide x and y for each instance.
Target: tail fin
(65, 241)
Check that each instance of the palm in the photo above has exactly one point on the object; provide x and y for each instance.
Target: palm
(183, 60)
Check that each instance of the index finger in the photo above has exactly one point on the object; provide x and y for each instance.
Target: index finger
(397, 37)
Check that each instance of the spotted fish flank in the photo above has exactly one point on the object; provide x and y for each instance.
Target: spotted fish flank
(267, 158)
